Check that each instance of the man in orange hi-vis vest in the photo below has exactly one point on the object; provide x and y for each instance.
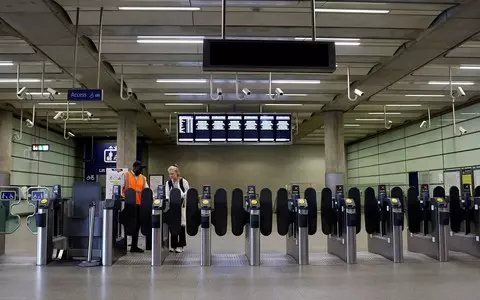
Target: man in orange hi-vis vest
(135, 180)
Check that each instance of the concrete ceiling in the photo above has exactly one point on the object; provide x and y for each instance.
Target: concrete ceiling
(392, 55)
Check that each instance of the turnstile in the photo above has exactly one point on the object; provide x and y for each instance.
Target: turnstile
(464, 221)
(384, 223)
(160, 237)
(428, 223)
(296, 219)
(341, 222)
(254, 216)
(114, 243)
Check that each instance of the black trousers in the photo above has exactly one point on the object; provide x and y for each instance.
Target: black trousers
(135, 233)
(178, 240)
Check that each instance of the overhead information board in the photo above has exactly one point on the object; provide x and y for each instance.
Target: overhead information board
(205, 128)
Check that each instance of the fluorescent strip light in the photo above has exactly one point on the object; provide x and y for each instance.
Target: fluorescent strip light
(403, 105)
(178, 37)
(471, 113)
(25, 80)
(183, 104)
(381, 113)
(185, 94)
(291, 95)
(368, 119)
(41, 94)
(352, 11)
(181, 81)
(347, 43)
(283, 104)
(164, 8)
(170, 41)
(328, 39)
(84, 119)
(351, 125)
(56, 103)
(453, 82)
(470, 67)
(6, 63)
(296, 81)
(429, 96)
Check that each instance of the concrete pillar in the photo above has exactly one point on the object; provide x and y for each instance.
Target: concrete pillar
(126, 139)
(334, 149)
(5, 157)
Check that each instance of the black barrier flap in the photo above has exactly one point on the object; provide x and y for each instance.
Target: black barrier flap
(455, 209)
(283, 213)
(174, 214)
(372, 212)
(311, 197)
(414, 215)
(237, 211)
(354, 193)
(219, 214)
(266, 212)
(327, 213)
(146, 211)
(192, 212)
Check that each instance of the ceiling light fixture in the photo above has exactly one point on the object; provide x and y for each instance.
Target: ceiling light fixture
(84, 119)
(181, 81)
(56, 103)
(164, 8)
(41, 94)
(6, 63)
(296, 81)
(369, 119)
(347, 43)
(351, 125)
(381, 113)
(283, 104)
(173, 37)
(403, 105)
(292, 95)
(453, 82)
(327, 39)
(183, 104)
(24, 80)
(425, 95)
(352, 11)
(140, 41)
(185, 94)
(467, 67)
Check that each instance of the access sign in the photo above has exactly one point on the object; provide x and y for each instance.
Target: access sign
(85, 95)
(8, 195)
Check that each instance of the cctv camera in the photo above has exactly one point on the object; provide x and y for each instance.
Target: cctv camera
(22, 92)
(29, 123)
(70, 134)
(52, 91)
(129, 91)
(358, 92)
(246, 92)
(462, 130)
(461, 92)
(279, 92)
(423, 124)
(59, 115)
(389, 122)
(89, 114)
(219, 92)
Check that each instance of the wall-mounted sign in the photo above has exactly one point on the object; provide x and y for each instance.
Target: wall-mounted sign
(85, 94)
(110, 155)
(40, 147)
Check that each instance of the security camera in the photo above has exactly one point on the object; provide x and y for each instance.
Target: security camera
(22, 92)
(423, 124)
(279, 92)
(70, 134)
(461, 92)
(129, 91)
(52, 91)
(246, 92)
(89, 114)
(358, 92)
(59, 115)
(29, 123)
(462, 130)
(219, 92)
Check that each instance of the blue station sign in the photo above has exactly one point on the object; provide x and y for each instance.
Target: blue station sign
(85, 95)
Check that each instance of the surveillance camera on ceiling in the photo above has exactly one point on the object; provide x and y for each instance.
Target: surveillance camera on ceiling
(462, 130)
(423, 124)
(358, 92)
(52, 91)
(29, 123)
(461, 92)
(129, 91)
(22, 92)
(89, 114)
(219, 92)
(70, 134)
(59, 115)
(278, 92)
(246, 91)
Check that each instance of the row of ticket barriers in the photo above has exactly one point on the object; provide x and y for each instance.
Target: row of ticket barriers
(436, 224)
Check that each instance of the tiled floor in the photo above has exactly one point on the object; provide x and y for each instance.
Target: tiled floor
(372, 278)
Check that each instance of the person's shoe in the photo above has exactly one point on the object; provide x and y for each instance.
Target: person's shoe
(136, 250)
(179, 250)
(171, 250)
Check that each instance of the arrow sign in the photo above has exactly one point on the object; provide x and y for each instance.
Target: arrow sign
(85, 95)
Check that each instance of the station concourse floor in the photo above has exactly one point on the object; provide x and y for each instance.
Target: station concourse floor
(417, 278)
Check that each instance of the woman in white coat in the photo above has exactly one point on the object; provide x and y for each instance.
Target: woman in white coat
(178, 241)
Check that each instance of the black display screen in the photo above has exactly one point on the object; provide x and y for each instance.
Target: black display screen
(205, 128)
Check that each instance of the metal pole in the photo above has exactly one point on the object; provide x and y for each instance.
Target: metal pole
(91, 224)
(75, 51)
(100, 38)
(314, 22)
(224, 5)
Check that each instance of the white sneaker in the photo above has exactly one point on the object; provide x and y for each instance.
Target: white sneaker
(179, 250)
(171, 250)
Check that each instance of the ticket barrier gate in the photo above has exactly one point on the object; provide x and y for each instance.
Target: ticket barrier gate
(254, 216)
(202, 214)
(428, 222)
(384, 222)
(9, 223)
(297, 219)
(341, 221)
(160, 238)
(464, 221)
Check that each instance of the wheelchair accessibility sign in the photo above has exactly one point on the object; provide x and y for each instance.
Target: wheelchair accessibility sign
(110, 154)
